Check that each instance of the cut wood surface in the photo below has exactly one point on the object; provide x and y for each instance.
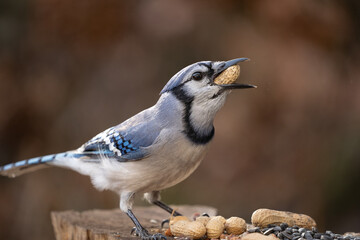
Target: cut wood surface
(113, 224)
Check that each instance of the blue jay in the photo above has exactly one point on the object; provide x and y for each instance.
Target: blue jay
(153, 150)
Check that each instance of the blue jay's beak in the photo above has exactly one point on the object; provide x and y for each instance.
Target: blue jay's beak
(226, 66)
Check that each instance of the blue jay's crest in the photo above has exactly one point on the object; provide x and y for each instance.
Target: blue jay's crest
(185, 74)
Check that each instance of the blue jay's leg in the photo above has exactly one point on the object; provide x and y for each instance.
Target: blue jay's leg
(141, 231)
(167, 208)
(126, 199)
(154, 198)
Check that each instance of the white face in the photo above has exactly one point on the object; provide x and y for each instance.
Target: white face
(205, 92)
(200, 85)
(208, 97)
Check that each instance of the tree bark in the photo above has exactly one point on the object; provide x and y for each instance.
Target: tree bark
(113, 224)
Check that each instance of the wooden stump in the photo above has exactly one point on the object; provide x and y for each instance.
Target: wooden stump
(113, 224)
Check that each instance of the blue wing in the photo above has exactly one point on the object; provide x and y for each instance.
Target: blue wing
(118, 145)
(128, 141)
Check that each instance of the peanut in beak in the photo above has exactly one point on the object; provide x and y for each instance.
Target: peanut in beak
(228, 76)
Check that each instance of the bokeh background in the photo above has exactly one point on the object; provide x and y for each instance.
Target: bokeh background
(70, 69)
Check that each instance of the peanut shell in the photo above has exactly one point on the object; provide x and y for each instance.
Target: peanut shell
(263, 217)
(203, 219)
(215, 227)
(228, 76)
(178, 218)
(235, 225)
(183, 228)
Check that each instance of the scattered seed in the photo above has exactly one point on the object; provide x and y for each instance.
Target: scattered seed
(284, 226)
(277, 229)
(325, 237)
(287, 235)
(284, 232)
(270, 230)
(254, 230)
(308, 236)
(317, 235)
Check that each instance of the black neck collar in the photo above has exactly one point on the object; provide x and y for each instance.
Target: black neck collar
(190, 132)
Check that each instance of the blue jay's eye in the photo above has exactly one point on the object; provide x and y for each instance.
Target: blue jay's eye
(197, 76)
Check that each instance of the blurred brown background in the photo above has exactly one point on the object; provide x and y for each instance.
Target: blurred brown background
(70, 69)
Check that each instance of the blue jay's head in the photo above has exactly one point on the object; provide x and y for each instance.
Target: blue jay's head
(195, 87)
(197, 81)
(199, 77)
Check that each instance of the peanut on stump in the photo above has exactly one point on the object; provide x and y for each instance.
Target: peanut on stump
(262, 217)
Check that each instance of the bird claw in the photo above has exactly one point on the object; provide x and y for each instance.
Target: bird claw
(145, 235)
(157, 236)
(133, 230)
(165, 221)
(205, 215)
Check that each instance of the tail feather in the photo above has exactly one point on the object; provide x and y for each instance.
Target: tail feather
(29, 165)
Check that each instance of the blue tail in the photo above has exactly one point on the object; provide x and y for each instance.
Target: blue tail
(29, 165)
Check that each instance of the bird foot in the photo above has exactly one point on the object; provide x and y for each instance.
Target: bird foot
(145, 235)
(165, 221)
(205, 215)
